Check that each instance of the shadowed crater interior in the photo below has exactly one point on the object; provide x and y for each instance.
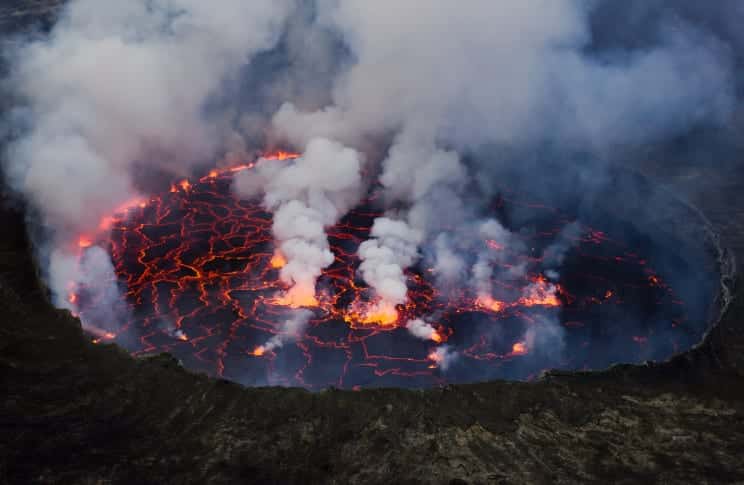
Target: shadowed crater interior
(602, 276)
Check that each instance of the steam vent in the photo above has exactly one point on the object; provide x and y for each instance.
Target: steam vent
(305, 241)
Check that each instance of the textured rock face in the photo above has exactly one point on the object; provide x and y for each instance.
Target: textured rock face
(74, 412)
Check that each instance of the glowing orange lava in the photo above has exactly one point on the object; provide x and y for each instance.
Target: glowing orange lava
(84, 242)
(297, 297)
(541, 293)
(489, 303)
(281, 155)
(277, 260)
(519, 348)
(381, 313)
(202, 274)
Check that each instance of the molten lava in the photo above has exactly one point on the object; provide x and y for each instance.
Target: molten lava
(277, 260)
(380, 313)
(519, 348)
(487, 302)
(84, 242)
(200, 276)
(296, 297)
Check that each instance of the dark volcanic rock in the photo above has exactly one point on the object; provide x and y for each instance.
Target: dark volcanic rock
(74, 412)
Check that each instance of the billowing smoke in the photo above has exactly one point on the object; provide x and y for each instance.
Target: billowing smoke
(418, 175)
(306, 195)
(443, 357)
(290, 329)
(120, 84)
(116, 87)
(392, 248)
(509, 74)
(92, 275)
(482, 273)
(554, 255)
(434, 102)
(422, 329)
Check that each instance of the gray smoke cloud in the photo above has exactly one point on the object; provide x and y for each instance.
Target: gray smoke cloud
(508, 72)
(115, 85)
(403, 91)
(449, 77)
(306, 195)
(291, 329)
(421, 329)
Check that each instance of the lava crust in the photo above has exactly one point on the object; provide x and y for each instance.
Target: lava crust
(199, 273)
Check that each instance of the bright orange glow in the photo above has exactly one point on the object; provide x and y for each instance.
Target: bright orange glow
(540, 294)
(228, 294)
(519, 348)
(184, 184)
(278, 260)
(540, 299)
(239, 168)
(85, 242)
(104, 336)
(134, 202)
(489, 303)
(281, 155)
(297, 297)
(382, 313)
(108, 221)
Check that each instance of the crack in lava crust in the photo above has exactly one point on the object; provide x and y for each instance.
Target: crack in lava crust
(199, 272)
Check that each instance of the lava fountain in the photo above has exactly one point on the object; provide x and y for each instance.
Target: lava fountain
(198, 273)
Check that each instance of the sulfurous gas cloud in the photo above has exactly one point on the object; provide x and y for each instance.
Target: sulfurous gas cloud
(401, 96)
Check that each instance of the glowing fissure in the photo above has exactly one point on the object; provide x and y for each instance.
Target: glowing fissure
(228, 267)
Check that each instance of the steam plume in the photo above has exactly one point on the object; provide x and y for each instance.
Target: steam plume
(291, 329)
(306, 195)
(506, 73)
(439, 100)
(119, 85)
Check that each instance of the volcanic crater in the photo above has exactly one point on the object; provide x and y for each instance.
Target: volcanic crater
(198, 274)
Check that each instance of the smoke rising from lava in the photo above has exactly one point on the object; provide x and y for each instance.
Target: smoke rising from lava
(290, 329)
(306, 195)
(117, 85)
(400, 97)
